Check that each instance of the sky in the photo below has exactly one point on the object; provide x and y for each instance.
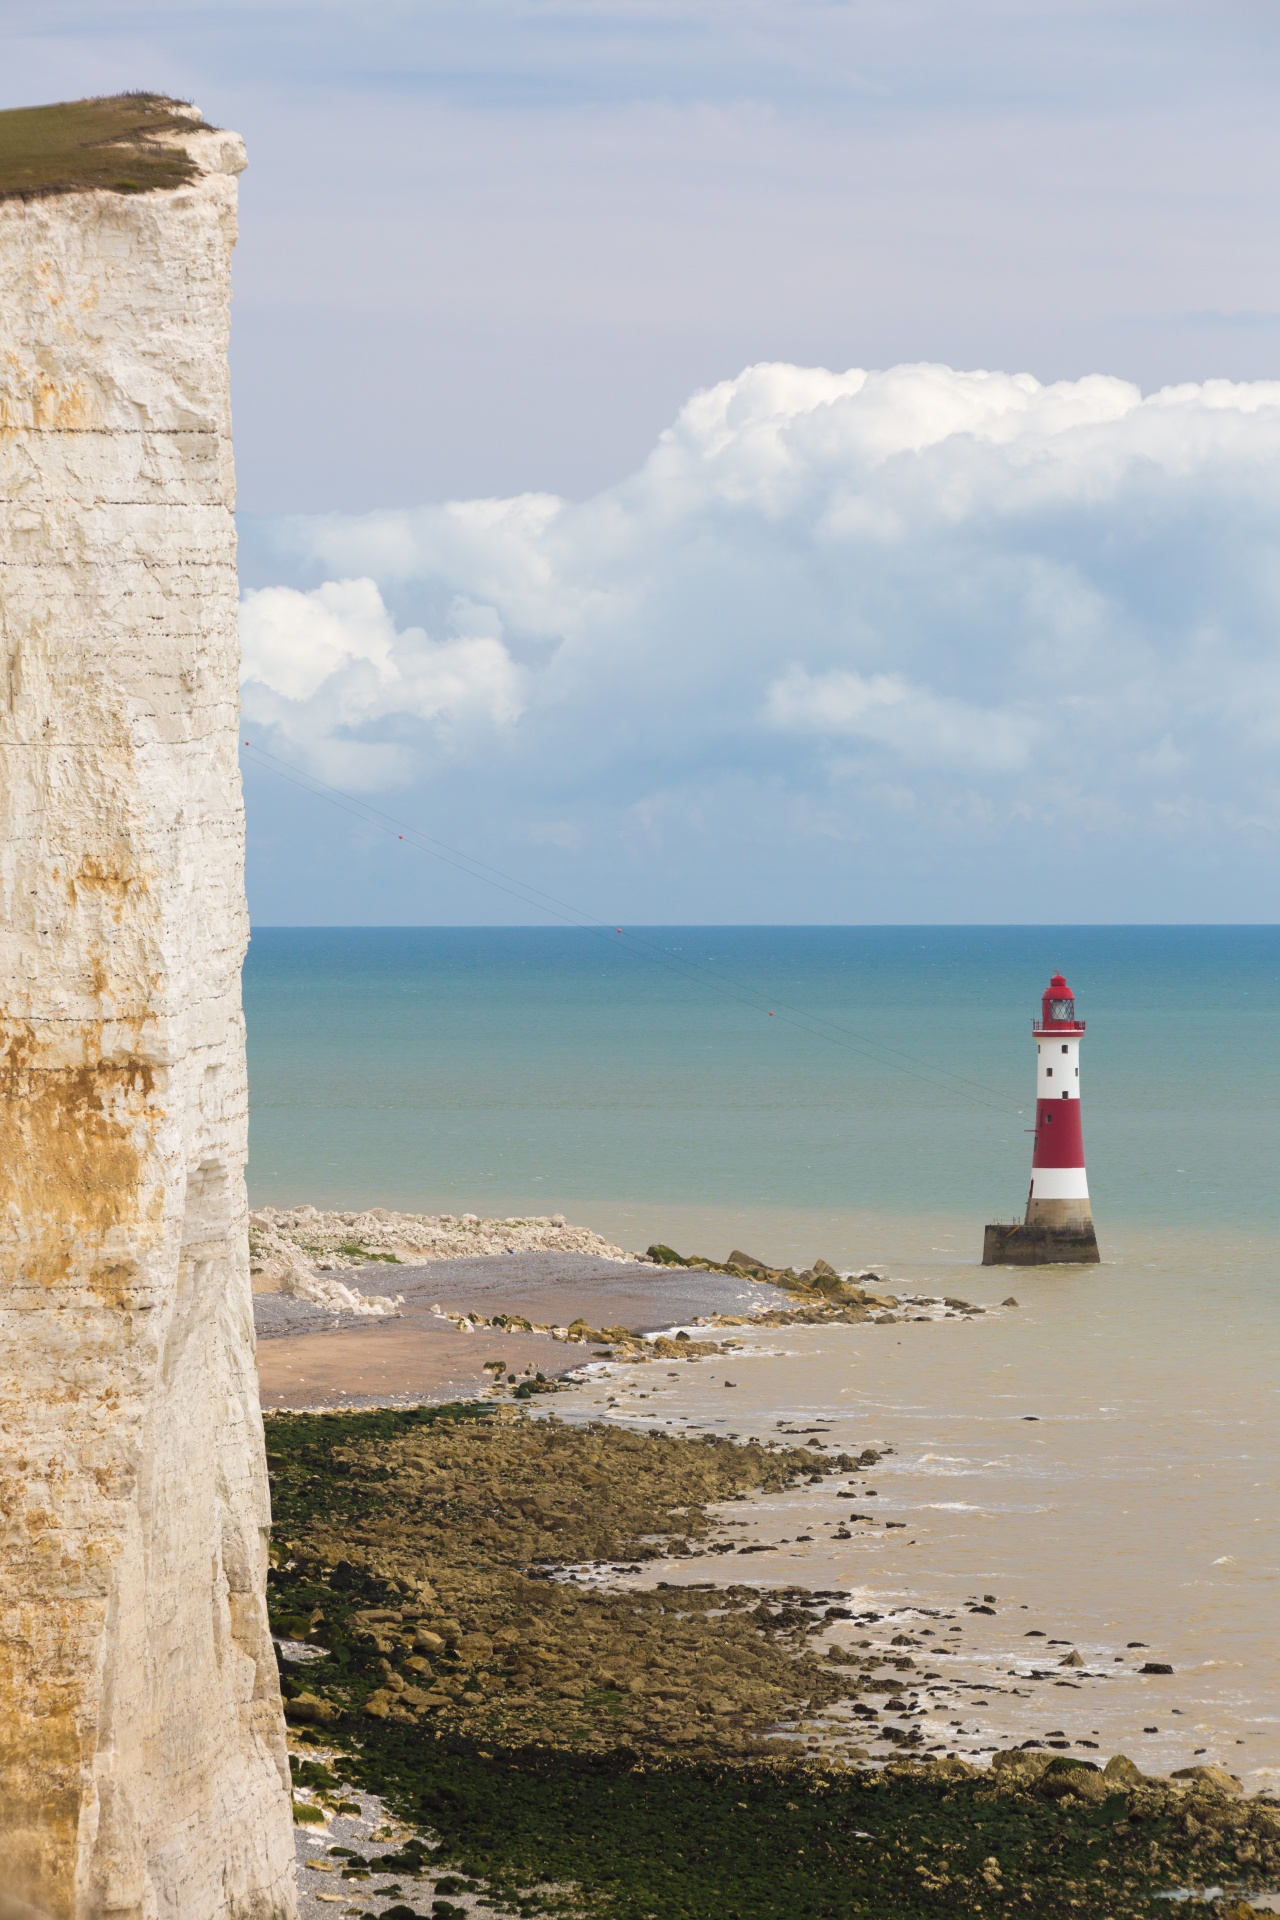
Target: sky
(746, 462)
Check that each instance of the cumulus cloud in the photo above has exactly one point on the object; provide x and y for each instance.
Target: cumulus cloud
(905, 609)
(357, 700)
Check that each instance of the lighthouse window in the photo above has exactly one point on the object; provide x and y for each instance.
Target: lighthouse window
(1049, 1072)
(1062, 1009)
(1064, 1047)
(1065, 1094)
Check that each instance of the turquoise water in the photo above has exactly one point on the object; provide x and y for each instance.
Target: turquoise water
(509, 1069)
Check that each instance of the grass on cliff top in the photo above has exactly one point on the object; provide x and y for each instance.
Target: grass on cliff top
(78, 145)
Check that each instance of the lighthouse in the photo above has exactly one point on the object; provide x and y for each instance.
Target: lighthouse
(1059, 1223)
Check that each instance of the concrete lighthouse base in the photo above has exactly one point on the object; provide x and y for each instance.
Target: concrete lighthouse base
(1054, 1233)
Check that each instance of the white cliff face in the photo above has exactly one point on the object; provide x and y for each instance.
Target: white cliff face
(142, 1765)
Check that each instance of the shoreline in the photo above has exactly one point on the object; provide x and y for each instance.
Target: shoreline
(383, 1309)
(912, 1550)
(915, 1687)
(496, 1674)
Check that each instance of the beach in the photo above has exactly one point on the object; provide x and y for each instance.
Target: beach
(1040, 1533)
(433, 1335)
(567, 1656)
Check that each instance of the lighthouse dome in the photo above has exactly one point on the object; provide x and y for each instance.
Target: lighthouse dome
(1058, 1006)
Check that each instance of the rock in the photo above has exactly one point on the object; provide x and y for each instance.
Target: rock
(378, 1705)
(747, 1262)
(1071, 1659)
(475, 1646)
(824, 1271)
(138, 1686)
(832, 1287)
(281, 1237)
(417, 1697)
(951, 1767)
(286, 1269)
(1215, 1777)
(1010, 1302)
(1155, 1666)
(1090, 1787)
(1065, 1775)
(308, 1709)
(1020, 1763)
(1120, 1771)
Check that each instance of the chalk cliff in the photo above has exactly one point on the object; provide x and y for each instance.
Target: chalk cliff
(142, 1765)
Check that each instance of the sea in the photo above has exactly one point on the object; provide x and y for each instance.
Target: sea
(1095, 1466)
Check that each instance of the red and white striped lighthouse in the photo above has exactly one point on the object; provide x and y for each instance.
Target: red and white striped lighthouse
(1059, 1222)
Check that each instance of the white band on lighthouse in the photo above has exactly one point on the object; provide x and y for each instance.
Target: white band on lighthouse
(1059, 1183)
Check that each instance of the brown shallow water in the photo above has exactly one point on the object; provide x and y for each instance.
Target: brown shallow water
(1101, 1458)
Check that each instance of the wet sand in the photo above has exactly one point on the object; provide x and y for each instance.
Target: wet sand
(395, 1364)
(309, 1358)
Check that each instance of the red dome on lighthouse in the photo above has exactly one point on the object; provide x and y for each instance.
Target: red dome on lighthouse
(1058, 1008)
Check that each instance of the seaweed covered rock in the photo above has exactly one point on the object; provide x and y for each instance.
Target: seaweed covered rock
(421, 1547)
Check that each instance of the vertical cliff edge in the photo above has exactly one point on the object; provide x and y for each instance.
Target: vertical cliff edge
(143, 1773)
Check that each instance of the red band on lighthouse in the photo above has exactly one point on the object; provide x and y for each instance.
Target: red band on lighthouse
(1059, 1136)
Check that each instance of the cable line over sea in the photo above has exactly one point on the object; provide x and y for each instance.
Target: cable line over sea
(817, 1025)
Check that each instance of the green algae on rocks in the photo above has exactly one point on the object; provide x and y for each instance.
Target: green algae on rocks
(614, 1753)
(416, 1548)
(624, 1837)
(821, 1279)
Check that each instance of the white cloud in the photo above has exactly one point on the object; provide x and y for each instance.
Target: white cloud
(912, 609)
(329, 673)
(911, 722)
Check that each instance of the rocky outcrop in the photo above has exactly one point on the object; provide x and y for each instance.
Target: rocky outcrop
(289, 1245)
(142, 1765)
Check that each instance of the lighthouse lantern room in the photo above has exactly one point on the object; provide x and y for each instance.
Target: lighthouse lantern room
(1059, 1220)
